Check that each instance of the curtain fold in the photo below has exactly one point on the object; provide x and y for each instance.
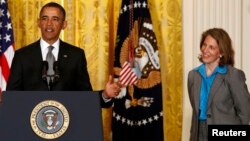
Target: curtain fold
(92, 25)
(166, 16)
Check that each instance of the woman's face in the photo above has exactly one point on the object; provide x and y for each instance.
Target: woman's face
(210, 52)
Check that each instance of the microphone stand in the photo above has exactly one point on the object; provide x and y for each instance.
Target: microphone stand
(56, 70)
(50, 85)
(50, 80)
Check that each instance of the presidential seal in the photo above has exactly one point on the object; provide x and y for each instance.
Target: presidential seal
(49, 119)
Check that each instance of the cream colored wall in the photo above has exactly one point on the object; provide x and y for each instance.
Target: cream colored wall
(245, 39)
(199, 15)
(188, 63)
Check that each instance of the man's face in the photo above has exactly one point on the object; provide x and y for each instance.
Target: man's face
(51, 22)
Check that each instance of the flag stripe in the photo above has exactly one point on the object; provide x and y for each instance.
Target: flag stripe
(9, 53)
(3, 84)
(126, 79)
(124, 71)
(6, 44)
(127, 75)
(5, 68)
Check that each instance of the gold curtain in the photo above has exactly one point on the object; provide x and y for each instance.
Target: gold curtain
(92, 25)
(166, 16)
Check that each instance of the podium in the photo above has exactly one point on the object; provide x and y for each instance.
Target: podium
(50, 115)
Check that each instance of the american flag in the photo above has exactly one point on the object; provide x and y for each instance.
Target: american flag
(6, 44)
(127, 75)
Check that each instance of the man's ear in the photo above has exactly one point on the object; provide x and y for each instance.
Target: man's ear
(64, 24)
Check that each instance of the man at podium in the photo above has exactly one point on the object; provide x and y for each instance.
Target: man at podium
(50, 64)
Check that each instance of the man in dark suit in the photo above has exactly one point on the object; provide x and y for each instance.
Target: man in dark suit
(71, 69)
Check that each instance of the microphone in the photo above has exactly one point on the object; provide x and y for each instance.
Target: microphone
(56, 70)
(45, 67)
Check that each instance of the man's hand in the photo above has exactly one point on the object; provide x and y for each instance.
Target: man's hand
(112, 88)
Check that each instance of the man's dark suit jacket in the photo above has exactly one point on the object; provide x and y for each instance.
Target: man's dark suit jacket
(26, 70)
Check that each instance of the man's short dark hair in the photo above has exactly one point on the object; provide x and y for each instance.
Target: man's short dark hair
(56, 5)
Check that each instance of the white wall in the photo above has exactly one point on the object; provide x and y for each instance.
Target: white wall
(198, 16)
(246, 39)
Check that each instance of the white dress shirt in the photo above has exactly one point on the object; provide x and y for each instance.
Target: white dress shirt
(44, 48)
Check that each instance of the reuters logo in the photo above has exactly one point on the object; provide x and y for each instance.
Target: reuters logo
(49, 119)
